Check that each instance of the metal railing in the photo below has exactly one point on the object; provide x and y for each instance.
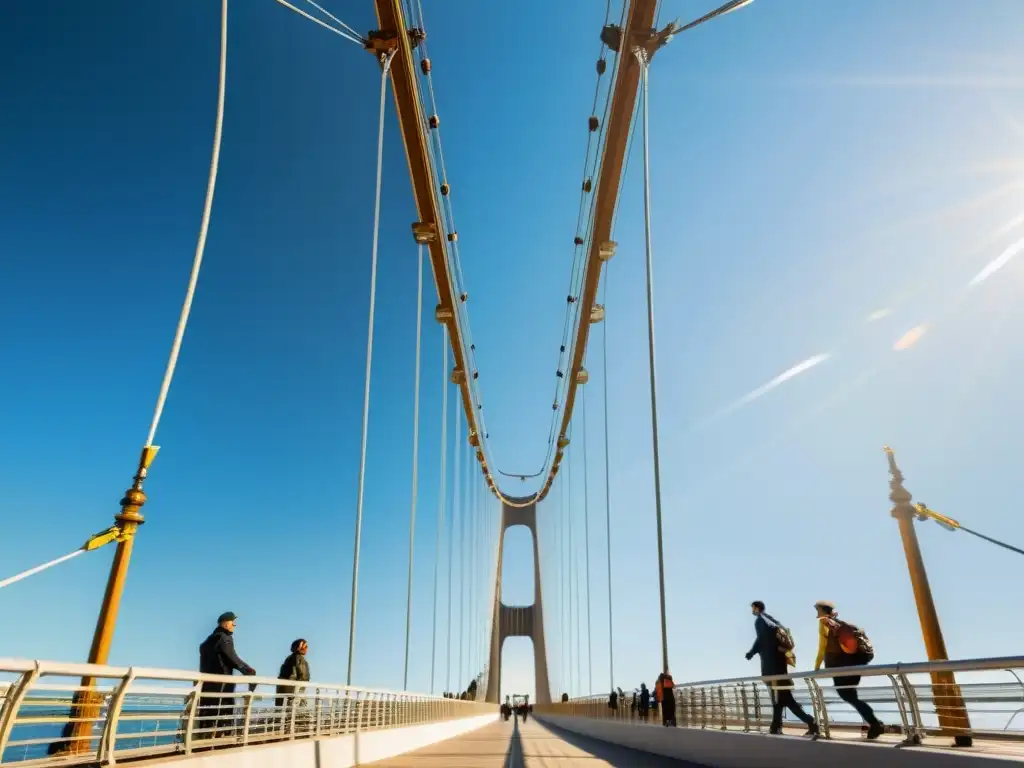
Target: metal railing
(137, 712)
(903, 696)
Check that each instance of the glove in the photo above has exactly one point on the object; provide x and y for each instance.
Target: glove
(749, 656)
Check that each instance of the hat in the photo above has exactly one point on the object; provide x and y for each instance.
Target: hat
(228, 616)
(825, 604)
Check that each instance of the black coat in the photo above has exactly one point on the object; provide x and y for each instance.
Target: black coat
(217, 655)
(766, 645)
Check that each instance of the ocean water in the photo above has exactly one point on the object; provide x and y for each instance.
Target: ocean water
(162, 729)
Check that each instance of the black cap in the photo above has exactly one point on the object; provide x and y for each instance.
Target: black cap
(228, 616)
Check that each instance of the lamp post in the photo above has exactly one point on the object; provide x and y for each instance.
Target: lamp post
(949, 704)
(86, 703)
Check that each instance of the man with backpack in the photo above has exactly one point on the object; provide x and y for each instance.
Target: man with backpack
(841, 644)
(774, 644)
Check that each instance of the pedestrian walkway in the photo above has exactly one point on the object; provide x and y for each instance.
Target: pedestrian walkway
(526, 745)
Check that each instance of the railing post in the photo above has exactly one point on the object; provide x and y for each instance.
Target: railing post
(9, 716)
(246, 715)
(703, 708)
(108, 739)
(757, 705)
(293, 705)
(746, 710)
(316, 713)
(721, 703)
(191, 704)
(915, 710)
(820, 709)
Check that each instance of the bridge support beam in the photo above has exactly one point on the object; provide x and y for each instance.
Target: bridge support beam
(518, 620)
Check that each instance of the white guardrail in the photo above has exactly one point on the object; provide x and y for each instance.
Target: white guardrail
(904, 697)
(48, 717)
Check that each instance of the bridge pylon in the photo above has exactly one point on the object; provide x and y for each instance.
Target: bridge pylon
(518, 620)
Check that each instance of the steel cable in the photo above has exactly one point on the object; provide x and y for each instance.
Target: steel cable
(386, 66)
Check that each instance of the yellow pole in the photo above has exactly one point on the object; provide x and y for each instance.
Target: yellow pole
(86, 703)
(949, 704)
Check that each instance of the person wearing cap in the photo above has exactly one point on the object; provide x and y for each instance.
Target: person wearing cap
(832, 654)
(217, 656)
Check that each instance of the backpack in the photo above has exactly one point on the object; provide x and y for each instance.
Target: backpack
(852, 640)
(782, 636)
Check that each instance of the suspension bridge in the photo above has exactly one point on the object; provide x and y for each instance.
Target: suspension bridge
(66, 713)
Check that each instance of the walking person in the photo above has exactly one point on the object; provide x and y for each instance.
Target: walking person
(295, 667)
(645, 701)
(774, 644)
(664, 692)
(841, 644)
(217, 657)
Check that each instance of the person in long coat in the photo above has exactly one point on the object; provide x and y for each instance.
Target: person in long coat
(775, 660)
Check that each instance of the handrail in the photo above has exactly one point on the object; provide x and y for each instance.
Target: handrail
(873, 670)
(206, 711)
(81, 669)
(905, 698)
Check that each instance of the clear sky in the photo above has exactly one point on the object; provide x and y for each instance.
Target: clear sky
(825, 178)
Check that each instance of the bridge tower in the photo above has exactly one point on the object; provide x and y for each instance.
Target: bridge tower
(518, 620)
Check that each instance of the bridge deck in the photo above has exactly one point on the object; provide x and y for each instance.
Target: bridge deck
(525, 745)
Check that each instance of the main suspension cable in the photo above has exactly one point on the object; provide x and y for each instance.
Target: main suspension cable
(415, 457)
(204, 227)
(441, 495)
(385, 68)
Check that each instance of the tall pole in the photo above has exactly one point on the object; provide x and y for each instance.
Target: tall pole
(949, 704)
(641, 56)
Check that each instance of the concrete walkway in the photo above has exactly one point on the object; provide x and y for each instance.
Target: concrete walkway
(526, 745)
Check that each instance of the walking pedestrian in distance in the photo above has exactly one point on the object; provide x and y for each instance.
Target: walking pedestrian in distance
(774, 644)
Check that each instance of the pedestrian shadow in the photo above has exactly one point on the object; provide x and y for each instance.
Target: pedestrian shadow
(514, 756)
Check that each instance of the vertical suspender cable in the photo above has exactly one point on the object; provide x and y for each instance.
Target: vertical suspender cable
(586, 538)
(415, 458)
(386, 66)
(441, 494)
(451, 547)
(462, 570)
(563, 569)
(607, 491)
(471, 610)
(204, 227)
(641, 56)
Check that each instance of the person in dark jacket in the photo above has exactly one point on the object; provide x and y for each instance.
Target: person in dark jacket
(774, 661)
(295, 667)
(645, 701)
(217, 656)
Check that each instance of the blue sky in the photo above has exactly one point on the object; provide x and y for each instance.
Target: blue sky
(812, 164)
